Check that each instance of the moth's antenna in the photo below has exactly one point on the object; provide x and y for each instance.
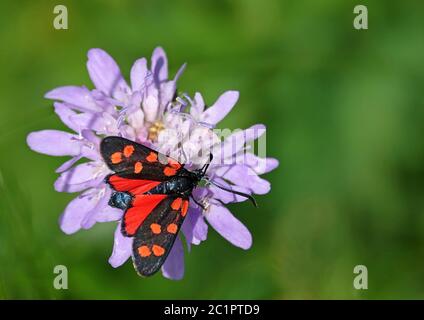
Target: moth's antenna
(206, 165)
(248, 196)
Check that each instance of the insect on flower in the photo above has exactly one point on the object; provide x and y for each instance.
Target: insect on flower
(154, 190)
(119, 180)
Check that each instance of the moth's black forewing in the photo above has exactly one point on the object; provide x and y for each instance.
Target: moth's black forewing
(143, 162)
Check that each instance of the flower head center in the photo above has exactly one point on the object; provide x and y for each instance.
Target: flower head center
(154, 130)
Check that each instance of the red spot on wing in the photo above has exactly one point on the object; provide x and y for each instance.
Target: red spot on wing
(144, 251)
(128, 151)
(184, 208)
(158, 250)
(169, 171)
(138, 167)
(172, 228)
(142, 207)
(152, 157)
(156, 228)
(116, 157)
(135, 186)
(176, 204)
(174, 164)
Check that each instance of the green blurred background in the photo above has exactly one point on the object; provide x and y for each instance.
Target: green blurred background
(345, 116)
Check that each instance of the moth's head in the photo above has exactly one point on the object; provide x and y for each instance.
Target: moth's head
(198, 175)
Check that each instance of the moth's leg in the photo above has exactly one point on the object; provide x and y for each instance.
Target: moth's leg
(199, 204)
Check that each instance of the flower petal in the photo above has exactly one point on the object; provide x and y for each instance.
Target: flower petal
(102, 212)
(159, 65)
(222, 220)
(180, 72)
(79, 178)
(151, 104)
(102, 123)
(75, 212)
(64, 112)
(135, 115)
(108, 214)
(200, 230)
(194, 227)
(54, 143)
(173, 268)
(226, 196)
(220, 108)
(68, 164)
(106, 75)
(198, 106)
(258, 164)
(167, 92)
(138, 74)
(236, 142)
(241, 175)
(79, 97)
(122, 248)
(129, 133)
(168, 89)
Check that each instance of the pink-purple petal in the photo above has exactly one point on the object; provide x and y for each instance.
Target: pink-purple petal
(194, 227)
(136, 120)
(105, 74)
(102, 123)
(54, 143)
(167, 92)
(102, 212)
(220, 108)
(90, 152)
(249, 179)
(200, 230)
(151, 104)
(173, 268)
(180, 72)
(236, 142)
(68, 164)
(198, 106)
(168, 88)
(159, 65)
(65, 112)
(223, 221)
(138, 74)
(71, 188)
(225, 196)
(79, 178)
(122, 248)
(75, 212)
(79, 98)
(258, 164)
(108, 214)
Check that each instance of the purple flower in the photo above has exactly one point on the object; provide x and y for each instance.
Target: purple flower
(147, 112)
